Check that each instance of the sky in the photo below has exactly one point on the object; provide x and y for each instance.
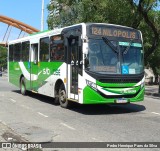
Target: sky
(26, 11)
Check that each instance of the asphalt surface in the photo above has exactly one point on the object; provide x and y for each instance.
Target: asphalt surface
(152, 90)
(35, 118)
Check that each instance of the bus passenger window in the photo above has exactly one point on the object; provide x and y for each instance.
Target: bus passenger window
(44, 49)
(11, 52)
(25, 51)
(57, 48)
(17, 52)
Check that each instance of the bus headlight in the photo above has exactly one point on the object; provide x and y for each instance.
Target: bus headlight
(91, 84)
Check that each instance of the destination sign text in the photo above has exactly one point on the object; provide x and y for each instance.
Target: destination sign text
(113, 32)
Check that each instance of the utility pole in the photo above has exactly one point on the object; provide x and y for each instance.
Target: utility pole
(42, 17)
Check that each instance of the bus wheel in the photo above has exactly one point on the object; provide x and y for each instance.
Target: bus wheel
(62, 97)
(56, 100)
(23, 86)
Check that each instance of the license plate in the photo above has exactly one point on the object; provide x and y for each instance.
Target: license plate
(121, 101)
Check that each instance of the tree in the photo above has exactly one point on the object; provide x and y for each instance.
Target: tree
(3, 57)
(77, 11)
(145, 10)
(154, 63)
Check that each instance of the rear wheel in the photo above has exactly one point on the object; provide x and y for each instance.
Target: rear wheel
(63, 98)
(23, 86)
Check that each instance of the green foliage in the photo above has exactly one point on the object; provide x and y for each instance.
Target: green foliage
(108, 11)
(3, 57)
(154, 61)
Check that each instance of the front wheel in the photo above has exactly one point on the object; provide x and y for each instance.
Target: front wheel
(23, 86)
(63, 98)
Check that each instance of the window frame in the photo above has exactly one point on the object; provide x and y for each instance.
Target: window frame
(27, 58)
(40, 50)
(17, 58)
(56, 45)
(11, 52)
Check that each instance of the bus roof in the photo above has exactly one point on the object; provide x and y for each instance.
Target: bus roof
(59, 30)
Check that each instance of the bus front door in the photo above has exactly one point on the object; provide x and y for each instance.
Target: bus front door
(34, 67)
(73, 55)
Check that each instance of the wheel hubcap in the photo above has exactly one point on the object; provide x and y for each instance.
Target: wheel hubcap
(22, 88)
(62, 96)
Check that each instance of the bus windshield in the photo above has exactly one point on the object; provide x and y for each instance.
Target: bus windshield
(132, 57)
(114, 57)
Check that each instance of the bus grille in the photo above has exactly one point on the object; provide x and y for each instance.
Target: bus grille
(118, 96)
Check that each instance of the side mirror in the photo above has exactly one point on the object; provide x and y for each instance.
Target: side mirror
(85, 48)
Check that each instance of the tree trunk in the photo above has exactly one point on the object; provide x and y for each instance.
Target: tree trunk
(156, 79)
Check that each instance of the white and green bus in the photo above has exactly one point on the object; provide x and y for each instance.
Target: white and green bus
(88, 63)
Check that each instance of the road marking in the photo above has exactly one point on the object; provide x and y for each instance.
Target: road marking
(67, 126)
(26, 107)
(155, 113)
(14, 101)
(42, 114)
(3, 123)
(97, 140)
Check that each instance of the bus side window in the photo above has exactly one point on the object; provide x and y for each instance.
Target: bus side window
(57, 48)
(17, 52)
(25, 51)
(44, 49)
(11, 52)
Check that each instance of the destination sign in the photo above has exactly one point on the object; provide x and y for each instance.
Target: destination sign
(114, 32)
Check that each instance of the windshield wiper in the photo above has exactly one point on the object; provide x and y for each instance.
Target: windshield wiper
(105, 39)
(126, 50)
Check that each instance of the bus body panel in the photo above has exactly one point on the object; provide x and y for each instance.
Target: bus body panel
(95, 92)
(46, 77)
(92, 97)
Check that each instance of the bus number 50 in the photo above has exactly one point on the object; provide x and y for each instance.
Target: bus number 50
(46, 71)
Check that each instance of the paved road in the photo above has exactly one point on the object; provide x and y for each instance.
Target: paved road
(35, 118)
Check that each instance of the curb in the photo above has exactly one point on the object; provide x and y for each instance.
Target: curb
(152, 94)
(4, 75)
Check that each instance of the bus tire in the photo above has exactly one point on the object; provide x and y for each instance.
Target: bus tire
(56, 99)
(62, 97)
(23, 86)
